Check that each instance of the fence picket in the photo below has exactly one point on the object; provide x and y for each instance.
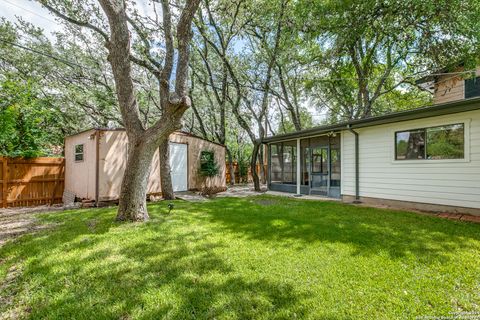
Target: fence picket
(4, 182)
(236, 170)
(31, 182)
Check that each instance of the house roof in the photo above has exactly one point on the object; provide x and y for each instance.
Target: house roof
(434, 75)
(123, 129)
(419, 113)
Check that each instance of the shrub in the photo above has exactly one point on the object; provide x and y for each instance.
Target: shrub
(208, 167)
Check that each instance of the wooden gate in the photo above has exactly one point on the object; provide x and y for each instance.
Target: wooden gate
(31, 182)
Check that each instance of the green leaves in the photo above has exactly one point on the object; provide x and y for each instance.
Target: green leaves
(27, 121)
(373, 50)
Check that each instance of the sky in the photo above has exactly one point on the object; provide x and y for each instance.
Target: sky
(33, 12)
(29, 11)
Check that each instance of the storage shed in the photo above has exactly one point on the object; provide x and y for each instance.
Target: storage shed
(95, 161)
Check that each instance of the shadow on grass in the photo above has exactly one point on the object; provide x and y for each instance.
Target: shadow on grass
(91, 267)
(295, 222)
(177, 267)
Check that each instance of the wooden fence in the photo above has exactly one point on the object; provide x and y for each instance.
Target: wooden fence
(31, 182)
(245, 178)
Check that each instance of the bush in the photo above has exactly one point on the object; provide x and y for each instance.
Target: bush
(208, 167)
(243, 167)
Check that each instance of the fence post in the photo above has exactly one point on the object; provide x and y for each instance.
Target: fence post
(5, 182)
(61, 172)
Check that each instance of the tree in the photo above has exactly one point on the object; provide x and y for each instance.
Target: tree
(142, 141)
(214, 74)
(28, 123)
(71, 80)
(365, 51)
(263, 34)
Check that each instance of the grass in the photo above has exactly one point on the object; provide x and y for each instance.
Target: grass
(253, 258)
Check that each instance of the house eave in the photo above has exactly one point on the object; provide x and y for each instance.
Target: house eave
(420, 113)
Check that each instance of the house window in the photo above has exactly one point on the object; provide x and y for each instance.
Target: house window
(435, 143)
(290, 162)
(446, 142)
(79, 152)
(472, 87)
(410, 145)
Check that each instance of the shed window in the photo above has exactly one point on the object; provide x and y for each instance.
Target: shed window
(435, 143)
(79, 152)
(472, 87)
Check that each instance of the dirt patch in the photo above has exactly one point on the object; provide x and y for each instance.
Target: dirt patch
(15, 222)
(443, 215)
(241, 191)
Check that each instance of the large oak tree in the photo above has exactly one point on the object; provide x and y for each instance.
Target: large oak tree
(170, 69)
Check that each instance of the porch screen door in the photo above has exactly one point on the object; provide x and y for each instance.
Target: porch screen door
(320, 169)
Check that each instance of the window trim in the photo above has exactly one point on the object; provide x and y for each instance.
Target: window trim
(466, 144)
(75, 152)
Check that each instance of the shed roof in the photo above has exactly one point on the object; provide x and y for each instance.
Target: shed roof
(419, 113)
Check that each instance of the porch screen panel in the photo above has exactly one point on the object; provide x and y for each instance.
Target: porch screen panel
(305, 158)
(276, 163)
(335, 160)
(290, 162)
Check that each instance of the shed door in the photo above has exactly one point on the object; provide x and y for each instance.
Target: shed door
(178, 166)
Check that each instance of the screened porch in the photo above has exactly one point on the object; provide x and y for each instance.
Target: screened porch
(318, 169)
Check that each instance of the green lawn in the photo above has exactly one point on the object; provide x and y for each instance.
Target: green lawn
(254, 258)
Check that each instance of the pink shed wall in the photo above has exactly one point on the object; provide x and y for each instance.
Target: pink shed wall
(195, 147)
(80, 176)
(113, 160)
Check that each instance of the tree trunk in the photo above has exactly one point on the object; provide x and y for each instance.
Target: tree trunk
(231, 169)
(132, 204)
(262, 167)
(165, 177)
(253, 166)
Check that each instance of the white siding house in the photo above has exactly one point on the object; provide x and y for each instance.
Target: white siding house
(453, 182)
(427, 158)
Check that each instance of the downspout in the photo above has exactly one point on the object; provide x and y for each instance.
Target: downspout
(357, 166)
(97, 165)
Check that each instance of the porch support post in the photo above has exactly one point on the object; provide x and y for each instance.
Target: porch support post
(299, 176)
